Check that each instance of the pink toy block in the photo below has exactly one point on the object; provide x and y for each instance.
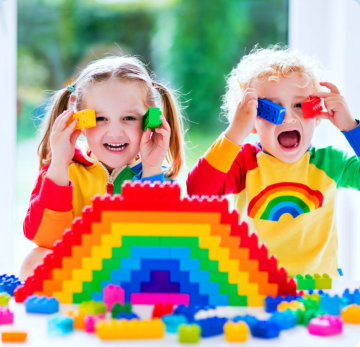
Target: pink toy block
(154, 298)
(113, 294)
(6, 316)
(90, 321)
(325, 325)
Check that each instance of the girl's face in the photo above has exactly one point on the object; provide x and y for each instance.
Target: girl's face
(291, 139)
(119, 107)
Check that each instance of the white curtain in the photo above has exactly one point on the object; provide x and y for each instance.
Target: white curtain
(329, 30)
(7, 132)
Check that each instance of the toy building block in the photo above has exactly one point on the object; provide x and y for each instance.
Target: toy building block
(325, 325)
(6, 316)
(113, 294)
(322, 282)
(311, 107)
(284, 320)
(305, 282)
(133, 329)
(118, 308)
(211, 326)
(270, 111)
(41, 304)
(152, 118)
(8, 283)
(92, 307)
(13, 336)
(292, 306)
(265, 329)
(349, 298)
(162, 310)
(59, 325)
(351, 314)
(90, 321)
(128, 316)
(189, 333)
(173, 321)
(236, 332)
(86, 119)
(4, 299)
(330, 304)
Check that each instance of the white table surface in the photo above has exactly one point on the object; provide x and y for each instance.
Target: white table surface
(36, 326)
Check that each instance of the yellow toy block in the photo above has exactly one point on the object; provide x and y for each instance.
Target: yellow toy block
(129, 329)
(236, 331)
(86, 119)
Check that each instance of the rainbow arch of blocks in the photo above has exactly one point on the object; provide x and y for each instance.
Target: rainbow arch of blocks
(159, 248)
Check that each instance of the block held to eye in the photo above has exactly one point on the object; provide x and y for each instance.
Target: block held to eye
(311, 107)
(86, 119)
(270, 111)
(152, 118)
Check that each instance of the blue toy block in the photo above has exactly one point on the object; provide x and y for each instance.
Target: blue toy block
(330, 304)
(128, 316)
(8, 283)
(60, 325)
(41, 304)
(349, 298)
(188, 312)
(211, 326)
(265, 329)
(248, 319)
(340, 272)
(272, 303)
(284, 320)
(173, 321)
(270, 111)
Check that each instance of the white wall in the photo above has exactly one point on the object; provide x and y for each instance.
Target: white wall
(330, 31)
(7, 132)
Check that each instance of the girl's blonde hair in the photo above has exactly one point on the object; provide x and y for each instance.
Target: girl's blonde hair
(126, 69)
(271, 64)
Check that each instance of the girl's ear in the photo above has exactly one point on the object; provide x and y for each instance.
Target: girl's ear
(254, 131)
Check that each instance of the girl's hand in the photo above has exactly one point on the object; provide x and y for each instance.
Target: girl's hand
(62, 144)
(244, 119)
(153, 148)
(337, 109)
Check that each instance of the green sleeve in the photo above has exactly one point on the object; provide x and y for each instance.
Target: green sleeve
(343, 168)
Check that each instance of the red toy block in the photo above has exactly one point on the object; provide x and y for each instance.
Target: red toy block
(311, 107)
(161, 309)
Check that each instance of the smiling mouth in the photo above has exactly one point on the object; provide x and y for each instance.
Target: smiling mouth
(116, 147)
(289, 139)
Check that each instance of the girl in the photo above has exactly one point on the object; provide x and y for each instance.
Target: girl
(285, 188)
(120, 91)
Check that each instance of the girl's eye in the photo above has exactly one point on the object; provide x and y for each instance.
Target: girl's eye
(100, 118)
(129, 118)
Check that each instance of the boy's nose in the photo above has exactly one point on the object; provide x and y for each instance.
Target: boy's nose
(289, 116)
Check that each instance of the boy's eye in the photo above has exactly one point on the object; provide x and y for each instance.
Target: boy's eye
(100, 118)
(297, 105)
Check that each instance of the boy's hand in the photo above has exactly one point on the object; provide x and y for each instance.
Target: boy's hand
(337, 109)
(62, 144)
(153, 148)
(244, 119)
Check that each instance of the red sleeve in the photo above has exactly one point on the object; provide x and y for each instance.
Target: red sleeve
(50, 211)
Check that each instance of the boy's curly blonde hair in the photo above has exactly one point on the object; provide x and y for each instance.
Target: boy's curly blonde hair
(272, 64)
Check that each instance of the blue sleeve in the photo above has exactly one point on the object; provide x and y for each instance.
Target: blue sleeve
(156, 178)
(353, 137)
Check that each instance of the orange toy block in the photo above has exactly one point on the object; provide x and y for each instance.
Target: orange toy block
(351, 314)
(86, 119)
(13, 336)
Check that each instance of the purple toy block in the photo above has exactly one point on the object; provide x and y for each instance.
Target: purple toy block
(325, 325)
(113, 294)
(6, 316)
(160, 282)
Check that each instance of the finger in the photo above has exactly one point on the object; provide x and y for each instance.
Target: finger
(323, 115)
(330, 86)
(74, 136)
(164, 123)
(145, 136)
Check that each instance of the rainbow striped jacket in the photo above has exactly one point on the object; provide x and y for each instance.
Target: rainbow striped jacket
(289, 205)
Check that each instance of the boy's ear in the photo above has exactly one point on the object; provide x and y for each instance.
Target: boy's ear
(317, 121)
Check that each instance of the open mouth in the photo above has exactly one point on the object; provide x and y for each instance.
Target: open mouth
(289, 139)
(116, 147)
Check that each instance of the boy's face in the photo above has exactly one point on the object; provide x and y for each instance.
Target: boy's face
(291, 139)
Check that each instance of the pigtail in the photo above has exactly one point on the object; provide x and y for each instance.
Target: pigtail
(171, 111)
(58, 106)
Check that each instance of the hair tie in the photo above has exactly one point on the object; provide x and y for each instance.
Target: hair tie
(71, 88)
(154, 84)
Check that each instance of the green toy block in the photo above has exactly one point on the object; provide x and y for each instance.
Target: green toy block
(306, 282)
(152, 118)
(323, 282)
(118, 308)
(189, 333)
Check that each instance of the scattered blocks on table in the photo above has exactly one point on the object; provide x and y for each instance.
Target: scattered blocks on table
(59, 325)
(133, 329)
(6, 316)
(13, 336)
(325, 325)
(270, 111)
(189, 333)
(236, 331)
(41, 304)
